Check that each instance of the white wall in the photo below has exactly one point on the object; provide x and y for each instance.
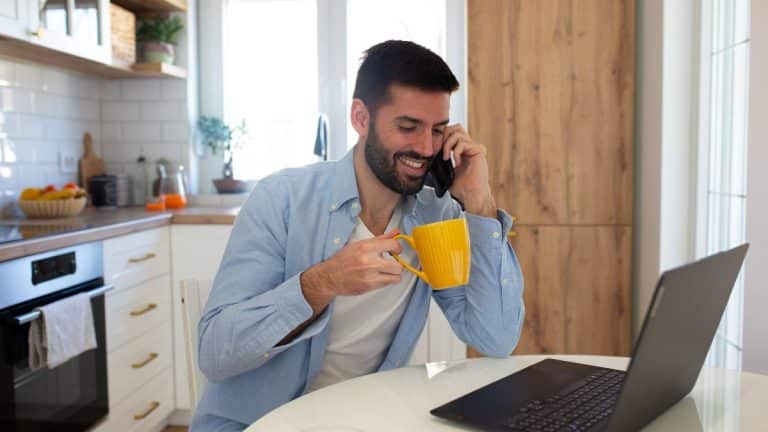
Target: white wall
(756, 272)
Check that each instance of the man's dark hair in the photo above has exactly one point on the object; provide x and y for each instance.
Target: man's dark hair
(400, 62)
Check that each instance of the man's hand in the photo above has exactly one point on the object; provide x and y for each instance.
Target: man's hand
(356, 269)
(471, 185)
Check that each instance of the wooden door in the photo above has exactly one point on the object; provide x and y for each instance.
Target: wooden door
(551, 96)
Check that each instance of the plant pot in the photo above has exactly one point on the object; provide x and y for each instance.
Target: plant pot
(230, 186)
(157, 52)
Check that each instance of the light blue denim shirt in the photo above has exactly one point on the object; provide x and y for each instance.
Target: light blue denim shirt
(293, 220)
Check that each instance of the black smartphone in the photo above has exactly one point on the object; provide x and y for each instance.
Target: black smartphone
(442, 174)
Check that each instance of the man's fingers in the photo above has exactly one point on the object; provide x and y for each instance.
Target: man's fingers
(389, 234)
(391, 267)
(389, 245)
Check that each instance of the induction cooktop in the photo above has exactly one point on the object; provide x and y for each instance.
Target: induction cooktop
(11, 231)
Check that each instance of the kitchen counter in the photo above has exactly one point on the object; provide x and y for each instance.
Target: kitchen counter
(98, 224)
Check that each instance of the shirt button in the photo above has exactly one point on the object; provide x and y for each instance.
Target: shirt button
(495, 234)
(333, 207)
(336, 240)
(355, 205)
(266, 355)
(505, 281)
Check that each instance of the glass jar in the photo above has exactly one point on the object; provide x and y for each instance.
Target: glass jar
(172, 185)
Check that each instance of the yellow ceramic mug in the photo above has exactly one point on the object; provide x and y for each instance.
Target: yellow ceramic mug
(444, 253)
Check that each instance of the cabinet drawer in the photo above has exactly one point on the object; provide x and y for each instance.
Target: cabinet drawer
(134, 258)
(133, 364)
(133, 311)
(143, 410)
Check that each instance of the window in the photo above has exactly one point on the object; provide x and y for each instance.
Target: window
(270, 81)
(287, 61)
(370, 22)
(722, 148)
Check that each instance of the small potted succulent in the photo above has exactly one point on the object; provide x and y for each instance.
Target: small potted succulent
(221, 137)
(157, 38)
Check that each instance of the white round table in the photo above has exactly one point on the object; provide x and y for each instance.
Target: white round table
(400, 400)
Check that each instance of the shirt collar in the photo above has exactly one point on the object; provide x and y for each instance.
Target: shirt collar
(345, 187)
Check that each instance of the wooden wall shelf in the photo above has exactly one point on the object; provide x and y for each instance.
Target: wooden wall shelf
(39, 54)
(142, 6)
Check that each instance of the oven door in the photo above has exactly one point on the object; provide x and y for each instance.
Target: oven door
(69, 397)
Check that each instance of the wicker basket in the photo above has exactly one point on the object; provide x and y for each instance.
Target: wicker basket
(52, 208)
(123, 35)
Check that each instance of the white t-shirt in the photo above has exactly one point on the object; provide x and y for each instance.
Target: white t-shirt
(362, 327)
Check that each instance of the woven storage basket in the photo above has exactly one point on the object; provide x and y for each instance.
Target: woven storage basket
(52, 208)
(123, 35)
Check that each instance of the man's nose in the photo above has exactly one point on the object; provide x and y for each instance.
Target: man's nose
(424, 145)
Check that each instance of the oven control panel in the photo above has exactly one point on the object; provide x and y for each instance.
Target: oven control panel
(53, 267)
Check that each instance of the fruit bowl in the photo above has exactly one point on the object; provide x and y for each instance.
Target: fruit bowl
(52, 208)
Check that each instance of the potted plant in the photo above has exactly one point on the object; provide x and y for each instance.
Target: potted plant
(221, 137)
(157, 37)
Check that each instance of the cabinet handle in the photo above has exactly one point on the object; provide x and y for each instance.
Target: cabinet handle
(39, 33)
(148, 308)
(152, 356)
(140, 259)
(153, 406)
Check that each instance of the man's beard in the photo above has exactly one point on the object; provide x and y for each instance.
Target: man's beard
(385, 170)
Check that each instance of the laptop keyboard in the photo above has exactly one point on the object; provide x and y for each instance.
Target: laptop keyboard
(577, 408)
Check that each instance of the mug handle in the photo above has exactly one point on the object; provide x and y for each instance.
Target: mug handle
(397, 258)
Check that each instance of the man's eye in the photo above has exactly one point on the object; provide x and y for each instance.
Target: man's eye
(437, 132)
(407, 128)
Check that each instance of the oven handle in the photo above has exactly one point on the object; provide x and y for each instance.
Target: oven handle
(31, 316)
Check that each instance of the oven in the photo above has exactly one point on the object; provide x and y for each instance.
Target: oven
(73, 395)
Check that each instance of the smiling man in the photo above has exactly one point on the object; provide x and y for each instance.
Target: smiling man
(307, 294)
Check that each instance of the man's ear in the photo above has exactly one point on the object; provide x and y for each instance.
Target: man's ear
(360, 117)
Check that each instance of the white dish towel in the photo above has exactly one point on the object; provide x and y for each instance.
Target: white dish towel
(63, 330)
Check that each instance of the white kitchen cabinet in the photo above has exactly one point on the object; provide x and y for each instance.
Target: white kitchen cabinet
(75, 27)
(196, 252)
(14, 18)
(139, 331)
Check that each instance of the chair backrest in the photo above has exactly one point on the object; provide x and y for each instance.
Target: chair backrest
(194, 294)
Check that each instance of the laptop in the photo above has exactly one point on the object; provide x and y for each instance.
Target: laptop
(554, 395)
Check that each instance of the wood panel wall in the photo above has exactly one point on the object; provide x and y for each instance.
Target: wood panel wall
(551, 88)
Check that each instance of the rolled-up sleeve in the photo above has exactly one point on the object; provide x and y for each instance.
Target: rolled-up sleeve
(488, 312)
(252, 306)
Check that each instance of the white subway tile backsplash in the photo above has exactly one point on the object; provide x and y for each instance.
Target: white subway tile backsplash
(110, 90)
(45, 111)
(28, 76)
(16, 100)
(156, 150)
(141, 131)
(177, 131)
(19, 125)
(58, 128)
(140, 89)
(57, 82)
(110, 131)
(119, 111)
(88, 109)
(7, 73)
(30, 151)
(162, 111)
(7, 155)
(174, 89)
(89, 87)
(121, 152)
(49, 104)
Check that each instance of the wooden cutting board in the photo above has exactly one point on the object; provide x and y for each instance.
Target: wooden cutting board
(90, 164)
